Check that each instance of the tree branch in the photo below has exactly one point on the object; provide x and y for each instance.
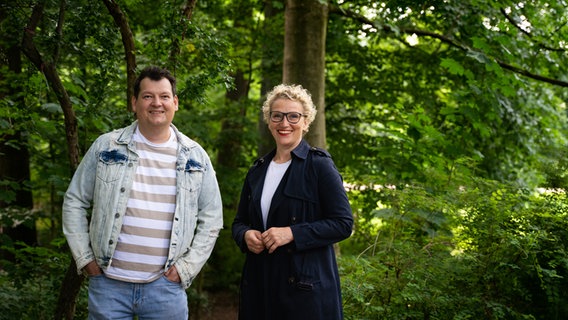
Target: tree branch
(129, 47)
(50, 72)
(528, 34)
(364, 20)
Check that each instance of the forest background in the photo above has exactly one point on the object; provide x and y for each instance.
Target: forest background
(446, 118)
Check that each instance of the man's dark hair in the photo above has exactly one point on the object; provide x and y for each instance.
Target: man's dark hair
(156, 74)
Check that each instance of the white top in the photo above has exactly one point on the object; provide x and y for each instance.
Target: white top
(274, 175)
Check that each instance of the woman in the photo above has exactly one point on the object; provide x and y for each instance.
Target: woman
(292, 209)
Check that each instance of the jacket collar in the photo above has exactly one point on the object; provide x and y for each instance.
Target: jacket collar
(126, 134)
(301, 151)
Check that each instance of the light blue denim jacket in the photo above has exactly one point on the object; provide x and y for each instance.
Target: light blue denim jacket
(104, 178)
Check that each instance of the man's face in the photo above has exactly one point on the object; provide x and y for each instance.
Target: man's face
(155, 105)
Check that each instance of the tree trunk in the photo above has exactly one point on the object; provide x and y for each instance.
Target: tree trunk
(271, 68)
(304, 56)
(231, 127)
(14, 154)
(187, 13)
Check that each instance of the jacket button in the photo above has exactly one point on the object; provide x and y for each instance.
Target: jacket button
(122, 189)
(117, 215)
(110, 242)
(291, 280)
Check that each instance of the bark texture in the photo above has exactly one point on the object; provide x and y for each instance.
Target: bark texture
(304, 57)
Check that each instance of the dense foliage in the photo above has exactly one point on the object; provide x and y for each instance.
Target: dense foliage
(447, 120)
(482, 252)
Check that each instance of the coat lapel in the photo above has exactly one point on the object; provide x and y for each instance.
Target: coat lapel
(273, 213)
(256, 178)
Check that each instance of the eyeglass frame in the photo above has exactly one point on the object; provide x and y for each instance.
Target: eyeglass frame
(285, 115)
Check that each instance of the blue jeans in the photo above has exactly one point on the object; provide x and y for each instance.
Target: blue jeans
(113, 299)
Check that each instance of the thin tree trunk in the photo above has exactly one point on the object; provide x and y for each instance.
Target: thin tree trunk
(271, 68)
(129, 47)
(187, 13)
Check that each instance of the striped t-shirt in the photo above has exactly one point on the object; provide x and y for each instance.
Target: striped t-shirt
(144, 239)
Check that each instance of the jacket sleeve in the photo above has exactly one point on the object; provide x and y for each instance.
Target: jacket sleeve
(209, 224)
(336, 220)
(77, 201)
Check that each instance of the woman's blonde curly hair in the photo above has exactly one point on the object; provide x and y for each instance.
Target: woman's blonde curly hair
(294, 93)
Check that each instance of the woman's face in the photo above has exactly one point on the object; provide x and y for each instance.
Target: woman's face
(287, 135)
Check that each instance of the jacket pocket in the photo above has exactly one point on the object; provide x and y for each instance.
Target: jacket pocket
(192, 176)
(110, 165)
(304, 268)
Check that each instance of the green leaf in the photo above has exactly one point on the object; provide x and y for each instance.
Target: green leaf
(453, 66)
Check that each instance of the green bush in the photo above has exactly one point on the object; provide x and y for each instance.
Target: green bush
(488, 251)
(29, 287)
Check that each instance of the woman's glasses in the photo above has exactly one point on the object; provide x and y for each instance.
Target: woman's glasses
(292, 117)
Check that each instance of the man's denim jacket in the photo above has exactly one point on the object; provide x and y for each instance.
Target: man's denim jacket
(104, 179)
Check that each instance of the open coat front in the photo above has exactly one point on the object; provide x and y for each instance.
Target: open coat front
(299, 280)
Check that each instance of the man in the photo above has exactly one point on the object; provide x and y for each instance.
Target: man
(156, 210)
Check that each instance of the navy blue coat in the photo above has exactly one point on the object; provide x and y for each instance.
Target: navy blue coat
(299, 280)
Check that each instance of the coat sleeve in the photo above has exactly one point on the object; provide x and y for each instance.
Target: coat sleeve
(336, 220)
(241, 222)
